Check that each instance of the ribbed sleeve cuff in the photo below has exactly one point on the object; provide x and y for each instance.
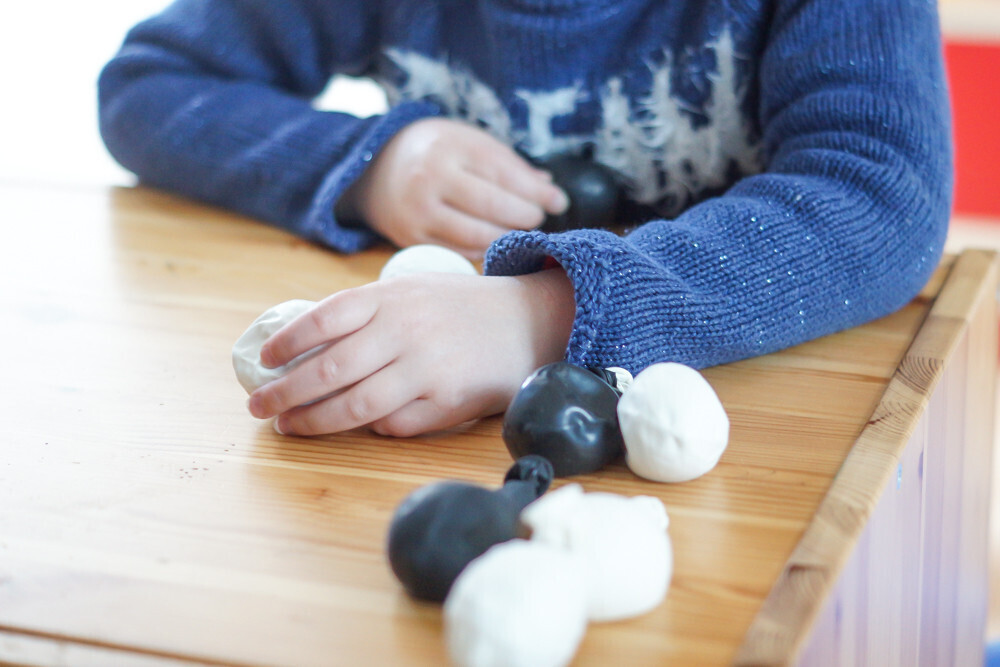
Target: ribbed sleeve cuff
(585, 256)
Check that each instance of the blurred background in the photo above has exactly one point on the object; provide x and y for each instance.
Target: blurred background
(51, 53)
(50, 56)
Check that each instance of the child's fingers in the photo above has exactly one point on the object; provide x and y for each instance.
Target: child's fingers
(336, 316)
(471, 254)
(486, 200)
(465, 233)
(419, 416)
(343, 364)
(513, 173)
(367, 401)
(424, 415)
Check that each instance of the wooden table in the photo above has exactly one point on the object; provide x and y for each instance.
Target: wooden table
(146, 518)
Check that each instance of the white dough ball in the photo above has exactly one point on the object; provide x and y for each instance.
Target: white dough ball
(426, 258)
(673, 425)
(246, 351)
(621, 543)
(520, 604)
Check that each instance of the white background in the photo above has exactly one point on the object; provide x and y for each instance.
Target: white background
(50, 56)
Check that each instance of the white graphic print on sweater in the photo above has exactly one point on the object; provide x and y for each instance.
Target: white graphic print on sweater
(652, 141)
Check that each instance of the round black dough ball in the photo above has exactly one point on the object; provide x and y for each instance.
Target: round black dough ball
(440, 528)
(593, 189)
(568, 415)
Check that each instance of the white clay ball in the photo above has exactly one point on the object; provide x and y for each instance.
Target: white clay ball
(426, 258)
(246, 351)
(673, 425)
(520, 604)
(621, 543)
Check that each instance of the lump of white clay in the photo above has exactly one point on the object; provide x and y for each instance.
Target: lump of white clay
(246, 351)
(520, 604)
(621, 544)
(426, 258)
(673, 424)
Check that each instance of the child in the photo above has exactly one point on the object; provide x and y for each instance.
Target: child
(788, 162)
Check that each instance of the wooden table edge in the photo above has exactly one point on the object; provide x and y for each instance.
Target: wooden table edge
(779, 631)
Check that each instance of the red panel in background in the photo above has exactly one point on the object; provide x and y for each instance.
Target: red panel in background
(974, 74)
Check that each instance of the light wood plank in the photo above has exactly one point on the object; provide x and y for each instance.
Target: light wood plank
(143, 510)
(922, 551)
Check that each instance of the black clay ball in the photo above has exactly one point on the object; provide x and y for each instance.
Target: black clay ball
(440, 528)
(567, 414)
(593, 189)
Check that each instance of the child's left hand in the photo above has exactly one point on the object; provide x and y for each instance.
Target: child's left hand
(416, 353)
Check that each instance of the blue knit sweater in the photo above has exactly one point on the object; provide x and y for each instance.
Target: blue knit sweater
(793, 155)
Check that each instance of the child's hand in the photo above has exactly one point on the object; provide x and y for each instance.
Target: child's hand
(449, 183)
(416, 353)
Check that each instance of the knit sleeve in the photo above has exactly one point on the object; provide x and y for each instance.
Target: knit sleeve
(845, 224)
(213, 99)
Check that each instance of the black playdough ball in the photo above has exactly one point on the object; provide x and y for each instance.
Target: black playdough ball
(567, 414)
(593, 189)
(440, 528)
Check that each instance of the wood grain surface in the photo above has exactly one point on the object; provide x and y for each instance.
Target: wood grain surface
(146, 518)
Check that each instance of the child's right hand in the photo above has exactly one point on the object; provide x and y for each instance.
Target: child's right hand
(415, 353)
(449, 183)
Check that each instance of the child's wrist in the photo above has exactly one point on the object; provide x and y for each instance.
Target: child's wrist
(553, 308)
(349, 208)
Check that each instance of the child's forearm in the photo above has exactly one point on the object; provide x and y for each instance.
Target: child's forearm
(234, 126)
(845, 224)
